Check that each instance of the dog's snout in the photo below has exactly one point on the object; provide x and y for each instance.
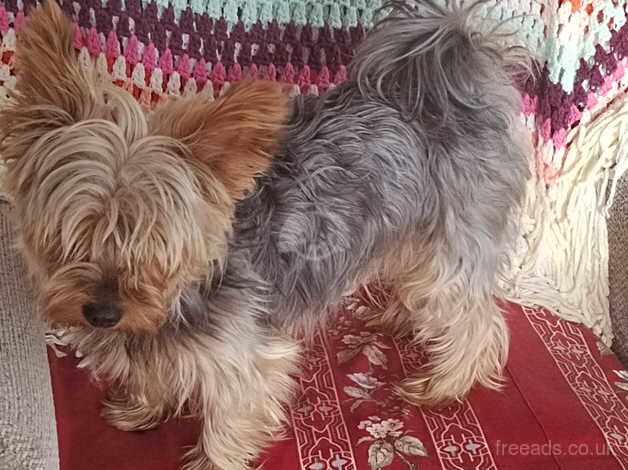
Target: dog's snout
(102, 315)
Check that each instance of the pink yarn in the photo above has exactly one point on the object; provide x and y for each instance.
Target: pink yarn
(559, 138)
(200, 72)
(270, 73)
(93, 42)
(607, 85)
(218, 75)
(324, 79)
(112, 47)
(78, 38)
(166, 63)
(184, 66)
(574, 114)
(149, 57)
(287, 74)
(4, 20)
(529, 105)
(253, 71)
(132, 50)
(235, 73)
(305, 80)
(619, 72)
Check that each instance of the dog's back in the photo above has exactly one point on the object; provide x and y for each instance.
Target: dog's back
(415, 157)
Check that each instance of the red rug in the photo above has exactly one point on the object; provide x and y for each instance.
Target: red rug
(564, 406)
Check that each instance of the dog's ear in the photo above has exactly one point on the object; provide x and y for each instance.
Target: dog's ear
(52, 88)
(234, 136)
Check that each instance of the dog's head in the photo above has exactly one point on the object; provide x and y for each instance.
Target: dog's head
(118, 210)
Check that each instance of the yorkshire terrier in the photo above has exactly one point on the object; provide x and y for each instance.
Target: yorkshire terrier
(185, 246)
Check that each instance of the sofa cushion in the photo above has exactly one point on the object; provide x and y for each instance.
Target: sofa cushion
(618, 268)
(28, 435)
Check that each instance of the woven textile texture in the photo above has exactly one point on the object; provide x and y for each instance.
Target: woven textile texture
(617, 269)
(575, 109)
(28, 438)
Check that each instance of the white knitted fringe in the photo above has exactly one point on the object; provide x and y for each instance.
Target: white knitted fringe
(561, 258)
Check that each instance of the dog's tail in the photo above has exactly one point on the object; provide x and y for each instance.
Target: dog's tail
(433, 62)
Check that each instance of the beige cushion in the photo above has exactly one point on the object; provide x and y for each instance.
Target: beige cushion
(618, 269)
(28, 434)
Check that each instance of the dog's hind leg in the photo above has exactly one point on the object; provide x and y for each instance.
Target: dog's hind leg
(404, 285)
(446, 303)
(466, 340)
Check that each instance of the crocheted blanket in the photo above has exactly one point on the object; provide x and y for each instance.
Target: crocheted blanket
(575, 109)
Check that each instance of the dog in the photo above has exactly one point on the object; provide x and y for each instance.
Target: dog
(186, 249)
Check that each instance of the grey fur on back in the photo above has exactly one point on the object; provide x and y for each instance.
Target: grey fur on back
(420, 143)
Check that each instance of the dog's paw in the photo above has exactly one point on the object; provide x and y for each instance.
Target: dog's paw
(131, 415)
(394, 318)
(196, 459)
(428, 391)
(384, 322)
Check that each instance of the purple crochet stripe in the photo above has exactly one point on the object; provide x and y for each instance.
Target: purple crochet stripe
(556, 105)
(211, 40)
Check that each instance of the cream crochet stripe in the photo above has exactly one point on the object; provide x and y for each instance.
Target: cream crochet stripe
(561, 259)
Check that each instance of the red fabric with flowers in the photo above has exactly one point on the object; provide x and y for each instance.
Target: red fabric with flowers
(564, 406)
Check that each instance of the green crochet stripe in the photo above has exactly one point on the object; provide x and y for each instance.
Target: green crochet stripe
(563, 49)
(561, 44)
(336, 14)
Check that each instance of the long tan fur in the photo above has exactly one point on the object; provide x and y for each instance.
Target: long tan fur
(119, 213)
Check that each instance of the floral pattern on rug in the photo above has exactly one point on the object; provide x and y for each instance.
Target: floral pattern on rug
(388, 440)
(369, 385)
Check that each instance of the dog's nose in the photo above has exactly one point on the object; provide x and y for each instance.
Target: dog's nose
(102, 315)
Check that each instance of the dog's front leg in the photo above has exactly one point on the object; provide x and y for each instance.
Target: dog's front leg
(131, 411)
(236, 380)
(145, 395)
(241, 394)
(142, 395)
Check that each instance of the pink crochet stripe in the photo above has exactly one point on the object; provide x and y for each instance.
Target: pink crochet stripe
(572, 112)
(556, 111)
(304, 77)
